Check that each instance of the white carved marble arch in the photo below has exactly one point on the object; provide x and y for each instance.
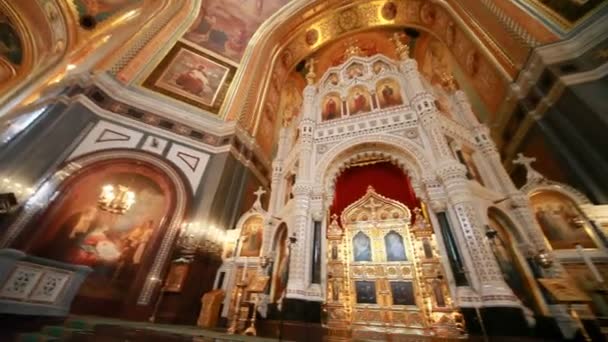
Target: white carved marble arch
(414, 161)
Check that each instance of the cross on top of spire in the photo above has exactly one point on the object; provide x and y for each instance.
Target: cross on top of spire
(531, 174)
(258, 200)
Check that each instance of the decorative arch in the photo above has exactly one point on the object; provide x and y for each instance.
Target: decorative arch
(446, 25)
(401, 152)
(62, 177)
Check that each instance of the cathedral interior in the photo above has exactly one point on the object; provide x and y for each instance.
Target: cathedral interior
(304, 170)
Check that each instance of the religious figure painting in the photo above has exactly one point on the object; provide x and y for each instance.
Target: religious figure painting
(359, 101)
(193, 76)
(362, 249)
(403, 293)
(355, 70)
(332, 107)
(366, 292)
(388, 93)
(226, 26)
(251, 236)
(395, 250)
(561, 221)
(115, 246)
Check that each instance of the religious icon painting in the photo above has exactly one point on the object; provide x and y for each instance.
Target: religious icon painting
(251, 236)
(366, 292)
(395, 250)
(389, 93)
(403, 293)
(359, 100)
(193, 77)
(332, 107)
(362, 247)
(561, 221)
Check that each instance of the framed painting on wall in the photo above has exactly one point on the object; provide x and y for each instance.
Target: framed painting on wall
(191, 76)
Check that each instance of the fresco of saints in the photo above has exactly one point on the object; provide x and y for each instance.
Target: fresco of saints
(359, 103)
(194, 81)
(389, 96)
(330, 111)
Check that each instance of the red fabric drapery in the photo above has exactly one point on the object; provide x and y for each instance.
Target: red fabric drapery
(388, 180)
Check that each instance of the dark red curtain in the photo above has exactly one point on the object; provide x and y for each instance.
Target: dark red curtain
(388, 180)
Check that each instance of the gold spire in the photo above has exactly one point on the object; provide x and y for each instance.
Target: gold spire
(403, 50)
(447, 81)
(352, 49)
(310, 76)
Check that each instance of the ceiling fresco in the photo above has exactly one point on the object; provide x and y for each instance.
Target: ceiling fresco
(226, 26)
(101, 9)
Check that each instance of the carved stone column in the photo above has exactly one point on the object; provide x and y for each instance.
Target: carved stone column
(300, 252)
(492, 287)
(277, 173)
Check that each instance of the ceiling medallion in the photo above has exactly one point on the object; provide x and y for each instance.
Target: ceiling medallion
(389, 11)
(348, 19)
(312, 36)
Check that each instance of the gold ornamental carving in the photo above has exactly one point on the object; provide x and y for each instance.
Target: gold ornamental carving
(388, 283)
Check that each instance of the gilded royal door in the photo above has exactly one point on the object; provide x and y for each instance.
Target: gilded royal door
(384, 277)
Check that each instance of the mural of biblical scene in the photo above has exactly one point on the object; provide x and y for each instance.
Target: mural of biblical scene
(370, 42)
(403, 293)
(226, 26)
(332, 107)
(10, 43)
(501, 246)
(266, 131)
(193, 76)
(101, 9)
(362, 247)
(251, 236)
(395, 250)
(436, 59)
(279, 281)
(291, 98)
(78, 230)
(388, 93)
(561, 221)
(591, 285)
(366, 292)
(359, 100)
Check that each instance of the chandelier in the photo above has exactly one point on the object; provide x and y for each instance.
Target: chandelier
(116, 201)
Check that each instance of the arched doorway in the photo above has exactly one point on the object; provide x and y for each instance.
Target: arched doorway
(119, 246)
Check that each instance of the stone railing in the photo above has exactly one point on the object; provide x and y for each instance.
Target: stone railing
(36, 286)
